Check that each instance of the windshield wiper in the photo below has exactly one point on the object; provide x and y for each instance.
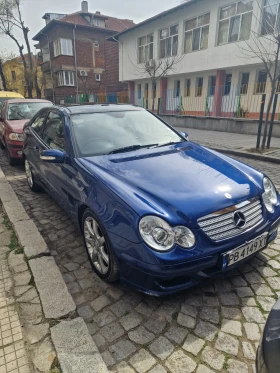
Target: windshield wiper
(131, 148)
(170, 143)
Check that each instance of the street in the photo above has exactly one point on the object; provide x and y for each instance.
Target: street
(214, 327)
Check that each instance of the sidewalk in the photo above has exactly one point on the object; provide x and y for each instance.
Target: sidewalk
(233, 143)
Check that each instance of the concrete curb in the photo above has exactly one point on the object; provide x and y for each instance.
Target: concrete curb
(57, 302)
(241, 153)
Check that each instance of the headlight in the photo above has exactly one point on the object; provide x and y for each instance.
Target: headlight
(158, 234)
(16, 136)
(270, 195)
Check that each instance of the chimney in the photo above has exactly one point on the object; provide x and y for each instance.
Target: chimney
(97, 13)
(84, 7)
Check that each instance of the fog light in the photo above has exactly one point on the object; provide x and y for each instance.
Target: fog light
(19, 152)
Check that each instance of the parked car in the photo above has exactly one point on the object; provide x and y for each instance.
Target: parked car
(268, 356)
(14, 114)
(157, 211)
(6, 95)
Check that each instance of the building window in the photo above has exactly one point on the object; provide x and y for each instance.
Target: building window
(212, 85)
(96, 44)
(63, 46)
(139, 90)
(154, 90)
(45, 54)
(146, 91)
(14, 77)
(65, 78)
(199, 87)
(145, 48)
(97, 22)
(244, 83)
(261, 82)
(187, 87)
(168, 42)
(228, 84)
(177, 85)
(196, 33)
(235, 22)
(271, 17)
(98, 77)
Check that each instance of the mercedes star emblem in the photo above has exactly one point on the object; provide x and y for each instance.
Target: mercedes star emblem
(239, 219)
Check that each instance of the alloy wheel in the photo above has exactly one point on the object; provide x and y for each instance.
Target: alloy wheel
(96, 245)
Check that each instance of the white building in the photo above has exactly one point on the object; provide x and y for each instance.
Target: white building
(213, 74)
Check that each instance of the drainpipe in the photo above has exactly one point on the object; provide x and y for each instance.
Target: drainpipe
(122, 52)
(76, 68)
(50, 66)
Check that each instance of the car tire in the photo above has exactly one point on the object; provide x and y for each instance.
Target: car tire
(12, 161)
(30, 177)
(2, 146)
(99, 249)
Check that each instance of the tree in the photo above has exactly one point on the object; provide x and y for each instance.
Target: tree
(266, 47)
(4, 56)
(10, 21)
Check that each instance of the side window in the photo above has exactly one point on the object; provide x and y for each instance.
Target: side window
(53, 134)
(38, 124)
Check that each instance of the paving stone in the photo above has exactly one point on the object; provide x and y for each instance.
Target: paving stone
(231, 313)
(74, 288)
(85, 312)
(248, 351)
(244, 292)
(211, 301)
(203, 369)
(253, 314)
(193, 344)
(167, 310)
(112, 331)
(121, 307)
(156, 325)
(100, 341)
(71, 266)
(43, 355)
(114, 293)
(5, 238)
(238, 281)
(274, 282)
(189, 310)
(206, 331)
(122, 349)
(179, 362)
(141, 335)
(161, 348)
(266, 303)
(248, 302)
(19, 290)
(213, 358)
(231, 327)
(99, 303)
(235, 366)
(252, 331)
(104, 318)
(144, 309)
(272, 253)
(222, 286)
(92, 328)
(267, 271)
(262, 290)
(229, 299)
(31, 313)
(56, 300)
(76, 349)
(108, 359)
(176, 334)
(130, 321)
(123, 367)
(210, 314)
(254, 278)
(194, 300)
(28, 296)
(158, 369)
(274, 264)
(227, 343)
(22, 279)
(36, 333)
(185, 320)
(142, 361)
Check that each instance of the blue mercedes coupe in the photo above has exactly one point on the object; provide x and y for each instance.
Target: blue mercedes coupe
(156, 210)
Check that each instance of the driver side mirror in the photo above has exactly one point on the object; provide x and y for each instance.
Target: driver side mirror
(25, 125)
(52, 156)
(185, 135)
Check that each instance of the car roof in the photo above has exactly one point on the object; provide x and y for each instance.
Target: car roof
(100, 108)
(25, 100)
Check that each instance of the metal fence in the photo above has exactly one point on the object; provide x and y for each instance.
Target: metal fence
(97, 98)
(231, 101)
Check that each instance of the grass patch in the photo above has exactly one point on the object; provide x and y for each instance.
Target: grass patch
(55, 368)
(174, 316)
(225, 366)
(6, 222)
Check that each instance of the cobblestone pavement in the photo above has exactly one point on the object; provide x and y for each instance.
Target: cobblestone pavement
(214, 327)
(13, 357)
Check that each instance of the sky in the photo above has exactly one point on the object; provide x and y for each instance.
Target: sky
(33, 10)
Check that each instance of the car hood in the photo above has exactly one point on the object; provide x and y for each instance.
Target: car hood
(17, 125)
(180, 182)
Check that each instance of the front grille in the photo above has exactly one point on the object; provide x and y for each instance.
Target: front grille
(220, 225)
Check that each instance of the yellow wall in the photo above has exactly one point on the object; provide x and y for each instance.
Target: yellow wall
(18, 84)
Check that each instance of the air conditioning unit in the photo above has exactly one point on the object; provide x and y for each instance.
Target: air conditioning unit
(83, 73)
(150, 64)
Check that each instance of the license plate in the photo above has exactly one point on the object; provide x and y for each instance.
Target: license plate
(244, 251)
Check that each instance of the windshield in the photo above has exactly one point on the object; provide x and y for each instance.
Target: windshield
(25, 110)
(117, 132)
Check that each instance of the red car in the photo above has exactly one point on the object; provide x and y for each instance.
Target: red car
(15, 113)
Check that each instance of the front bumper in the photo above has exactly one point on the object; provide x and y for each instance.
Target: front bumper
(163, 279)
(15, 148)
